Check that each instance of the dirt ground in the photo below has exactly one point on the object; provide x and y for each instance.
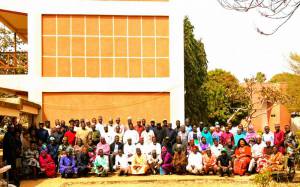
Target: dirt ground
(150, 181)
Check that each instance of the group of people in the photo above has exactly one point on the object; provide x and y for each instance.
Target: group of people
(84, 147)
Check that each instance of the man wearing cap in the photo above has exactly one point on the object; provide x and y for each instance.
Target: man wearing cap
(129, 149)
(224, 163)
(160, 133)
(139, 163)
(108, 135)
(227, 136)
(132, 134)
(154, 162)
(139, 127)
(179, 161)
(111, 126)
(67, 165)
(118, 124)
(154, 145)
(42, 134)
(152, 125)
(268, 135)
(71, 134)
(194, 162)
(144, 148)
(257, 152)
(83, 132)
(279, 139)
(58, 134)
(99, 125)
(171, 133)
(209, 162)
(147, 135)
(217, 132)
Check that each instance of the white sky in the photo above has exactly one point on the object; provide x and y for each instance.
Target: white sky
(232, 43)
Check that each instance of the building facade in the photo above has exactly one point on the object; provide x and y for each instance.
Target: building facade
(112, 58)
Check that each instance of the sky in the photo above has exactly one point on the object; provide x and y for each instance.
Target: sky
(233, 44)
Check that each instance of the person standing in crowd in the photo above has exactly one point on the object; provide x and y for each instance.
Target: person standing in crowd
(289, 136)
(242, 157)
(183, 135)
(188, 125)
(110, 125)
(47, 127)
(216, 148)
(52, 148)
(177, 126)
(194, 135)
(78, 146)
(160, 133)
(152, 125)
(147, 135)
(144, 148)
(268, 135)
(209, 162)
(82, 132)
(217, 132)
(121, 126)
(251, 134)
(139, 164)
(71, 134)
(100, 125)
(121, 164)
(155, 146)
(139, 127)
(224, 163)
(257, 153)
(119, 133)
(194, 165)
(171, 133)
(179, 161)
(227, 136)
(239, 135)
(95, 134)
(104, 146)
(154, 162)
(132, 134)
(42, 134)
(67, 165)
(279, 139)
(207, 135)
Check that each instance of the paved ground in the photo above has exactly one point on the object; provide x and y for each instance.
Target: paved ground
(150, 181)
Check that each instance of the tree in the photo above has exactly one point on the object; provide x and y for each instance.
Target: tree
(224, 97)
(281, 10)
(294, 63)
(293, 89)
(260, 77)
(195, 73)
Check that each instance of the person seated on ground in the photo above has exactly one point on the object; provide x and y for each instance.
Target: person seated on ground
(67, 165)
(275, 162)
(144, 148)
(47, 164)
(82, 162)
(78, 146)
(224, 163)
(154, 162)
(216, 148)
(30, 161)
(179, 161)
(166, 166)
(262, 161)
(104, 146)
(139, 164)
(194, 162)
(101, 164)
(203, 145)
(257, 153)
(114, 148)
(121, 163)
(63, 147)
(52, 148)
(242, 156)
(129, 150)
(209, 162)
(178, 144)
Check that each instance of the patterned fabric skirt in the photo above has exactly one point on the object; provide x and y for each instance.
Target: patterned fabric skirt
(241, 165)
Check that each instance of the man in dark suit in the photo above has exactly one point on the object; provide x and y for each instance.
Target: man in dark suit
(114, 147)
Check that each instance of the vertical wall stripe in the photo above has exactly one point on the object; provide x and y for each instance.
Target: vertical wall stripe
(114, 53)
(99, 35)
(155, 58)
(85, 73)
(142, 46)
(71, 59)
(56, 46)
(127, 60)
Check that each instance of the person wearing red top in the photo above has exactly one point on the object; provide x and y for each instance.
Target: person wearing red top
(71, 134)
(279, 138)
(226, 137)
(139, 128)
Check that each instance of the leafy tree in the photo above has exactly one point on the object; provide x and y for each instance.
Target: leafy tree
(195, 73)
(260, 77)
(225, 97)
(281, 10)
(295, 63)
(293, 89)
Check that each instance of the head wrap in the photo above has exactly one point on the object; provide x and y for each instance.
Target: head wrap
(163, 149)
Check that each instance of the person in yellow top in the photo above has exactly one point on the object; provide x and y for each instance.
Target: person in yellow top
(83, 132)
(139, 163)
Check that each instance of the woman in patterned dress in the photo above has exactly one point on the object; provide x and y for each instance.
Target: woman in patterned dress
(31, 162)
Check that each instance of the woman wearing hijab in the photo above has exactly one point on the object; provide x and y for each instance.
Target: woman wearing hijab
(47, 164)
(242, 157)
(239, 135)
(251, 134)
(205, 133)
(204, 145)
(167, 165)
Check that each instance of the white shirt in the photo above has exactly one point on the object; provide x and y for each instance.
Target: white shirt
(147, 136)
(129, 149)
(109, 137)
(233, 130)
(133, 134)
(268, 137)
(122, 127)
(195, 159)
(257, 149)
(121, 161)
(191, 136)
(144, 148)
(216, 150)
(99, 127)
(156, 147)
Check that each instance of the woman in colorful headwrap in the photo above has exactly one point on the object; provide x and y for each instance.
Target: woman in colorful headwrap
(217, 133)
(166, 167)
(263, 161)
(204, 145)
(275, 162)
(251, 134)
(207, 135)
(67, 165)
(242, 157)
(47, 164)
